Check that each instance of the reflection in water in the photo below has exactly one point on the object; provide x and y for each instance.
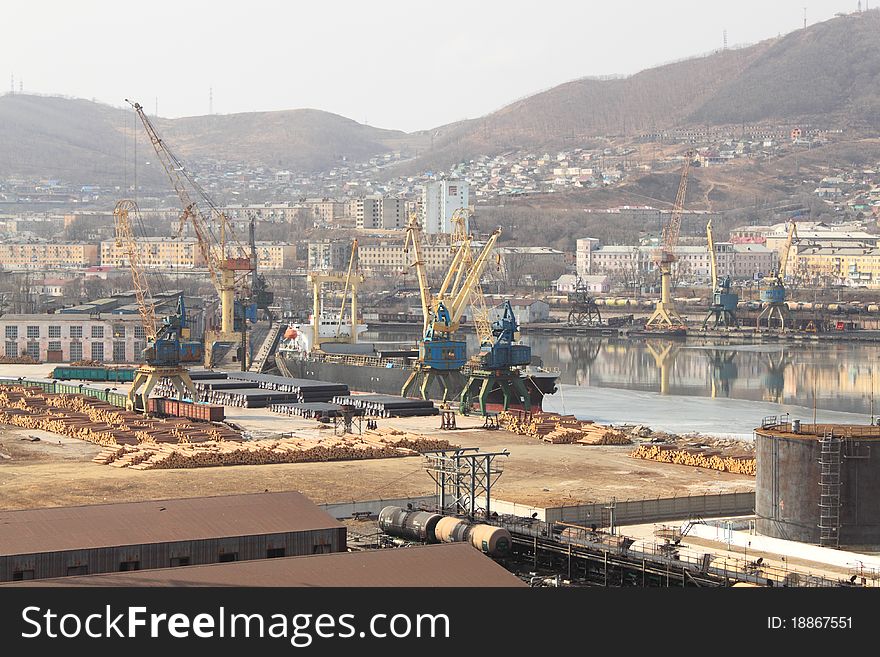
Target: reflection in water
(835, 376)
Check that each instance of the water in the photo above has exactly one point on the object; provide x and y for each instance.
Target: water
(697, 386)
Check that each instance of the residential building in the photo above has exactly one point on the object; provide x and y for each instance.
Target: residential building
(328, 255)
(367, 212)
(539, 262)
(850, 265)
(275, 255)
(155, 253)
(391, 257)
(440, 199)
(43, 255)
(394, 213)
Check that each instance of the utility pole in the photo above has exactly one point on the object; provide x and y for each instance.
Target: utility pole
(805, 18)
(211, 97)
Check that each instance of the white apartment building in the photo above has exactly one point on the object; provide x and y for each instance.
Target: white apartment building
(440, 199)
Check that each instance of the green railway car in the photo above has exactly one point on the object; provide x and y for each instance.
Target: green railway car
(99, 373)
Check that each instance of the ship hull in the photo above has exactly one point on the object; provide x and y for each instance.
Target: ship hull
(390, 380)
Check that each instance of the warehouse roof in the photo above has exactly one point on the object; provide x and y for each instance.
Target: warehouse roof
(454, 564)
(136, 523)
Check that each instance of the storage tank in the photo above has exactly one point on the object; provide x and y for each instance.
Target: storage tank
(452, 530)
(491, 540)
(819, 484)
(414, 525)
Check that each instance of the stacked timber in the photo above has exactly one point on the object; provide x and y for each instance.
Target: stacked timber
(96, 421)
(388, 405)
(711, 459)
(560, 429)
(150, 456)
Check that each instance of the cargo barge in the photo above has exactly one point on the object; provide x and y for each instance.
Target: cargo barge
(384, 369)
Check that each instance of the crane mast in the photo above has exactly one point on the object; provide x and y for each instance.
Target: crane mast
(724, 302)
(224, 256)
(126, 240)
(665, 314)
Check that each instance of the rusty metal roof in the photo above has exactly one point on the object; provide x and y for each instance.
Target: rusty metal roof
(453, 564)
(136, 523)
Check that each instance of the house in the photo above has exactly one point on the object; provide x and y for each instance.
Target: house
(527, 311)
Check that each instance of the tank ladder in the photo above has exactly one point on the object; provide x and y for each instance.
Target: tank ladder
(829, 490)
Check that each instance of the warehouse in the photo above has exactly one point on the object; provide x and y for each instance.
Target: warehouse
(453, 564)
(105, 538)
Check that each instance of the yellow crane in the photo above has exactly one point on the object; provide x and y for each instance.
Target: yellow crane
(665, 314)
(440, 356)
(227, 260)
(460, 236)
(724, 302)
(773, 296)
(162, 352)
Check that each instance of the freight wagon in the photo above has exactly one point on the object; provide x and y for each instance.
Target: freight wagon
(180, 408)
(96, 373)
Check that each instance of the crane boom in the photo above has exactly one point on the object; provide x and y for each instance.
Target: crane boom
(672, 230)
(413, 236)
(712, 257)
(462, 299)
(348, 283)
(125, 238)
(783, 260)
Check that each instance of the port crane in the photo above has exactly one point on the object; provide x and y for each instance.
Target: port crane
(665, 315)
(352, 280)
(227, 260)
(441, 357)
(724, 302)
(773, 296)
(163, 340)
(461, 236)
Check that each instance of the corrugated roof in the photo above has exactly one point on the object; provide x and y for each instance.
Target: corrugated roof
(159, 521)
(454, 564)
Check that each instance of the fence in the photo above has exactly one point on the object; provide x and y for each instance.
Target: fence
(635, 512)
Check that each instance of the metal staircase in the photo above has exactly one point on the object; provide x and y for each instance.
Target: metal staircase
(267, 349)
(829, 490)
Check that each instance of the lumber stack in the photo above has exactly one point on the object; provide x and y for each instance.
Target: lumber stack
(713, 460)
(151, 455)
(560, 429)
(96, 421)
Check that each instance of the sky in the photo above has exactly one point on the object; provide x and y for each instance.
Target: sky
(403, 65)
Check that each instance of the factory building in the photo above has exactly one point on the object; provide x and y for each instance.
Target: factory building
(454, 564)
(817, 483)
(106, 538)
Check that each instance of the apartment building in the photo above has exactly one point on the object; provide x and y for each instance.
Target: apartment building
(155, 253)
(328, 255)
(850, 265)
(391, 257)
(45, 256)
(440, 199)
(275, 255)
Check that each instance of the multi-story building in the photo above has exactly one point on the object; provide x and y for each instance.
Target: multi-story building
(394, 213)
(275, 255)
(155, 253)
(367, 212)
(440, 199)
(850, 265)
(329, 255)
(45, 256)
(391, 257)
(66, 337)
(585, 248)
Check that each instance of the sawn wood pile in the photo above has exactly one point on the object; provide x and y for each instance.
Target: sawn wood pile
(555, 428)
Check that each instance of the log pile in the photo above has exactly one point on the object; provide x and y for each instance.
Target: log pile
(96, 421)
(560, 429)
(711, 459)
(152, 456)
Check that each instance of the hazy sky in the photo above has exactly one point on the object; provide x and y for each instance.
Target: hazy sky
(406, 65)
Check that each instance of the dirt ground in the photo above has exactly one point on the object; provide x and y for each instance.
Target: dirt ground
(57, 471)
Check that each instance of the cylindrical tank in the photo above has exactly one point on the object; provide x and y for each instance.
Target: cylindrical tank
(833, 307)
(491, 540)
(808, 485)
(452, 530)
(414, 525)
(600, 301)
(873, 308)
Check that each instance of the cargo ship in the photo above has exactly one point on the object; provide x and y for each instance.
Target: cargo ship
(380, 367)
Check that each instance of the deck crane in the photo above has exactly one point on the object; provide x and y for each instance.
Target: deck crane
(481, 313)
(440, 356)
(773, 296)
(162, 352)
(724, 302)
(352, 280)
(228, 260)
(665, 315)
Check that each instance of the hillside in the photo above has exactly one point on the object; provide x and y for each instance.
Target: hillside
(81, 141)
(827, 75)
